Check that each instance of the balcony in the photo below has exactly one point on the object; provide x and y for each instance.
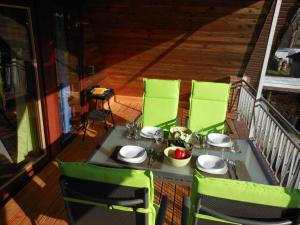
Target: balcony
(54, 53)
(274, 141)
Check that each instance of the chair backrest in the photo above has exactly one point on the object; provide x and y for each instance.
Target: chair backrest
(160, 103)
(215, 200)
(110, 196)
(208, 106)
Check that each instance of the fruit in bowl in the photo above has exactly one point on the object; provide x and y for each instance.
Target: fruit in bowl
(181, 154)
(177, 156)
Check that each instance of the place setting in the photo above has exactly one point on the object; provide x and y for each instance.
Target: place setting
(154, 143)
(130, 155)
(134, 130)
(150, 132)
(207, 163)
(138, 151)
(211, 164)
(221, 166)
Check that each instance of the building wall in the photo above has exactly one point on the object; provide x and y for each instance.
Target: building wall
(208, 40)
(253, 69)
(286, 103)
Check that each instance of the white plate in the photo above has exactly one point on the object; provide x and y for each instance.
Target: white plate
(132, 154)
(133, 160)
(148, 132)
(224, 145)
(211, 164)
(146, 136)
(131, 151)
(220, 140)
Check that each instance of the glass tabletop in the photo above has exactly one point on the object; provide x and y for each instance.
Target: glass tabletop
(247, 166)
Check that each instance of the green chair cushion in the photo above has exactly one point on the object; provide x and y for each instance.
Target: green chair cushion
(160, 112)
(210, 91)
(160, 103)
(208, 106)
(208, 119)
(124, 177)
(242, 191)
(158, 88)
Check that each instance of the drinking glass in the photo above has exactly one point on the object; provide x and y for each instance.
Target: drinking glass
(226, 154)
(199, 138)
(204, 143)
(232, 149)
(130, 126)
(137, 136)
(223, 154)
(159, 137)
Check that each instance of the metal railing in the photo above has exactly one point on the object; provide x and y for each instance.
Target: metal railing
(272, 134)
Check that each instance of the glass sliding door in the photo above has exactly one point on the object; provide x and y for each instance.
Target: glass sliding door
(21, 128)
(67, 51)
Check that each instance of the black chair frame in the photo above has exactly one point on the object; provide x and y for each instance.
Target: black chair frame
(209, 211)
(130, 202)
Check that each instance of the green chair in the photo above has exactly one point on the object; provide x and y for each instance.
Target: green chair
(110, 196)
(160, 103)
(222, 201)
(208, 106)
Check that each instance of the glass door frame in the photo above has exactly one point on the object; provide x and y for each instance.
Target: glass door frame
(8, 189)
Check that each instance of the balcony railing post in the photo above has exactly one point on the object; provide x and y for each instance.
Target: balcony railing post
(252, 123)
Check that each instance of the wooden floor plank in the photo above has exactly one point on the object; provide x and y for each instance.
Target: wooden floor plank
(37, 188)
(157, 191)
(41, 207)
(168, 190)
(55, 210)
(180, 192)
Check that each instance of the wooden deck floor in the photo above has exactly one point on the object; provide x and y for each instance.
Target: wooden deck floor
(40, 200)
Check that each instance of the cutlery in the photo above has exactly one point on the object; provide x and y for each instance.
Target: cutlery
(150, 153)
(231, 171)
(233, 166)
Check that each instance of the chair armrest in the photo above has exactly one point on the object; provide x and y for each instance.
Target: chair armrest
(185, 210)
(160, 219)
(241, 220)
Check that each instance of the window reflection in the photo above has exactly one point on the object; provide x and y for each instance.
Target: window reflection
(19, 111)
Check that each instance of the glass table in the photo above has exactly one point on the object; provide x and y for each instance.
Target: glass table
(247, 166)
